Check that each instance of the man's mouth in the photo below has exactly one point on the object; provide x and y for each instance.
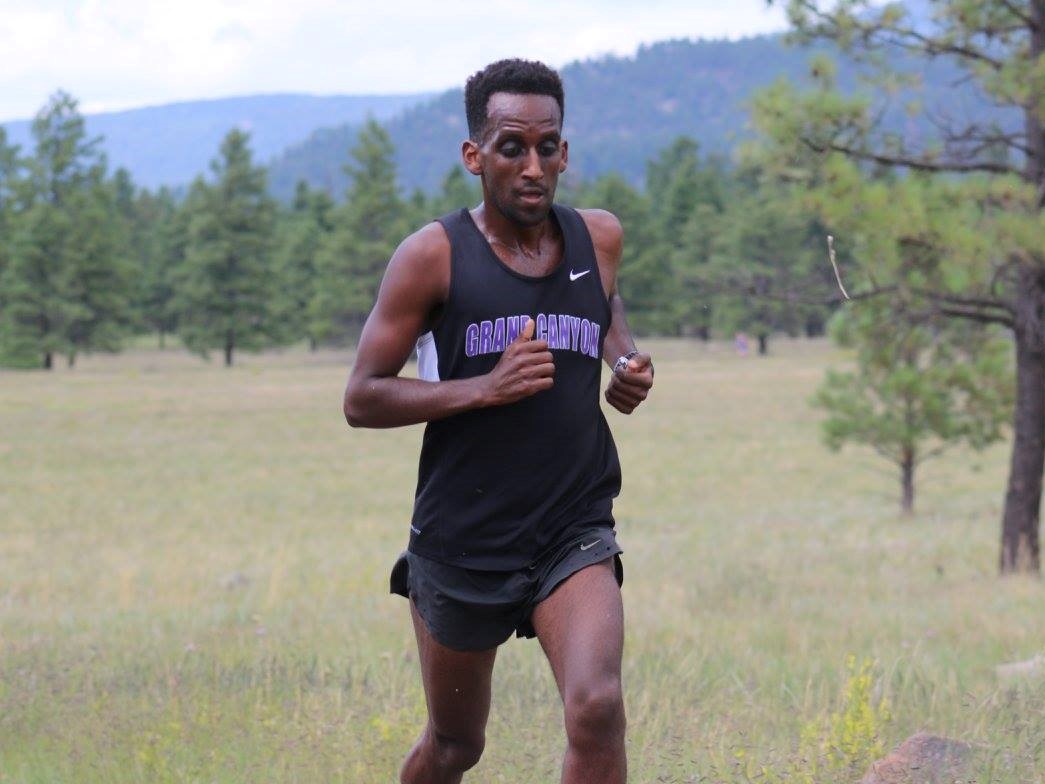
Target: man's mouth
(531, 195)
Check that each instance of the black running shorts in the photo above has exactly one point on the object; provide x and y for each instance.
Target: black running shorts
(474, 610)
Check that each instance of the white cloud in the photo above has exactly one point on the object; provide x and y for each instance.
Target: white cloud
(120, 53)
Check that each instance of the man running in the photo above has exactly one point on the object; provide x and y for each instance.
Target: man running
(512, 306)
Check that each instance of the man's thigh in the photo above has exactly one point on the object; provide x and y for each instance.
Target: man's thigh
(456, 684)
(581, 628)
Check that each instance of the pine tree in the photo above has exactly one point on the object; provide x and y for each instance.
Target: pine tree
(160, 237)
(226, 282)
(613, 193)
(367, 228)
(679, 185)
(765, 250)
(999, 45)
(9, 173)
(301, 232)
(67, 286)
(100, 281)
(922, 384)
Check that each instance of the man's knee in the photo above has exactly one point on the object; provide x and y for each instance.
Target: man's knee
(458, 753)
(594, 711)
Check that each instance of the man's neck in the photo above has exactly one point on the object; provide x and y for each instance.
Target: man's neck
(524, 240)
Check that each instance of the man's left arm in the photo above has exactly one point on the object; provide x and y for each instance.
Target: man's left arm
(631, 382)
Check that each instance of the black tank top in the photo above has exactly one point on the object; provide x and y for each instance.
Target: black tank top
(498, 486)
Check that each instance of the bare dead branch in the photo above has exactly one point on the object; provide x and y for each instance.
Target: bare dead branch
(834, 264)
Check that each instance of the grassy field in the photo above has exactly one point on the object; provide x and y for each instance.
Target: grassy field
(194, 561)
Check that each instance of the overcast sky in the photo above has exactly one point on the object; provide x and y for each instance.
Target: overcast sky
(116, 54)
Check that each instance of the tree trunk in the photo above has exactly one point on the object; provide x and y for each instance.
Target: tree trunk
(1019, 531)
(72, 358)
(162, 336)
(1019, 526)
(907, 481)
(312, 343)
(48, 361)
(229, 345)
(763, 344)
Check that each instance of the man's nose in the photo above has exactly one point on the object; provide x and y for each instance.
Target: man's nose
(532, 170)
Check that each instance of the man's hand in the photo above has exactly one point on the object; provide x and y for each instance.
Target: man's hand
(629, 387)
(525, 368)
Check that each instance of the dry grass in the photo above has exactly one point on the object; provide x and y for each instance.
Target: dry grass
(193, 581)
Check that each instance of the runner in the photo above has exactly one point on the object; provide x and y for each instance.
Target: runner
(512, 306)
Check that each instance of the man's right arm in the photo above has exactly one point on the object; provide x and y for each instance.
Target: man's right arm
(414, 286)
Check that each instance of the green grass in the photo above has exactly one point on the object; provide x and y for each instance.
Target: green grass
(194, 562)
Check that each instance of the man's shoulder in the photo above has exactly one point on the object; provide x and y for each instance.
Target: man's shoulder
(607, 234)
(602, 221)
(421, 264)
(428, 244)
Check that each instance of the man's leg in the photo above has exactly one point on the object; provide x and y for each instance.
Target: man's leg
(457, 690)
(581, 628)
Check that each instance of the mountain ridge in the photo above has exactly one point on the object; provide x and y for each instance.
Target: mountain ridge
(170, 143)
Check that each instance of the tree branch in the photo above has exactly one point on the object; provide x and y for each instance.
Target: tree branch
(958, 299)
(983, 137)
(931, 454)
(1019, 13)
(884, 452)
(907, 162)
(908, 38)
(933, 47)
(978, 315)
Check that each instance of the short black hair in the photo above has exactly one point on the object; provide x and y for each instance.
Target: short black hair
(522, 77)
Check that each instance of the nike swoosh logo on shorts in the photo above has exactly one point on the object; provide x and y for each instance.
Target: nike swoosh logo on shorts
(590, 544)
(575, 275)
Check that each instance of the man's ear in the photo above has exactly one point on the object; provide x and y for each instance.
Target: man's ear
(565, 156)
(471, 157)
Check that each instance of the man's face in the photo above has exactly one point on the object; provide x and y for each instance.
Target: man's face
(521, 155)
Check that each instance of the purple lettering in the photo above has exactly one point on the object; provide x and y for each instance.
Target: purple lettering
(498, 335)
(513, 329)
(553, 332)
(595, 329)
(564, 331)
(542, 327)
(485, 336)
(585, 342)
(471, 340)
(575, 331)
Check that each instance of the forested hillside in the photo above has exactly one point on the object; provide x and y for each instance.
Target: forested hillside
(622, 110)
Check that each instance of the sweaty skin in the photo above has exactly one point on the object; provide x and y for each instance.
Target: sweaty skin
(580, 626)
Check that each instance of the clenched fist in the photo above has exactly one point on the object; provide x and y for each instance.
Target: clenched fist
(525, 368)
(630, 386)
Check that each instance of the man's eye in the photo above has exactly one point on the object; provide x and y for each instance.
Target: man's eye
(548, 149)
(510, 150)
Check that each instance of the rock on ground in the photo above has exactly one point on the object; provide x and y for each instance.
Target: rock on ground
(921, 759)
